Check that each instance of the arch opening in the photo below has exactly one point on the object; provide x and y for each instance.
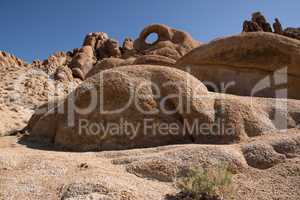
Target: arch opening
(152, 38)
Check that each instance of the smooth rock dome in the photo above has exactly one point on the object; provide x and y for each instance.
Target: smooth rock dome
(148, 85)
(247, 64)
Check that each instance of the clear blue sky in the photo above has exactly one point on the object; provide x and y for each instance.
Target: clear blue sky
(34, 29)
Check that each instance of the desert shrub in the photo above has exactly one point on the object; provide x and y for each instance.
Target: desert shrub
(207, 183)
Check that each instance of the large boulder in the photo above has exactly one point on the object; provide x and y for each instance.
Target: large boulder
(63, 73)
(248, 64)
(144, 106)
(82, 62)
(277, 27)
(95, 40)
(110, 48)
(127, 48)
(146, 97)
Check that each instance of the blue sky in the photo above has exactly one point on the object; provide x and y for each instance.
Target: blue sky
(34, 29)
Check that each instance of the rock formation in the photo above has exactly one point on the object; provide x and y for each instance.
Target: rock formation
(249, 26)
(54, 64)
(24, 87)
(246, 64)
(277, 27)
(95, 40)
(97, 47)
(12, 115)
(63, 73)
(292, 33)
(118, 86)
(7, 59)
(82, 62)
(127, 44)
(109, 49)
(102, 45)
(259, 23)
(171, 43)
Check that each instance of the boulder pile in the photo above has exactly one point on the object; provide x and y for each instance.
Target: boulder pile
(7, 59)
(101, 52)
(259, 23)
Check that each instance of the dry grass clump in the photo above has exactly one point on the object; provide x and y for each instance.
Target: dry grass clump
(213, 183)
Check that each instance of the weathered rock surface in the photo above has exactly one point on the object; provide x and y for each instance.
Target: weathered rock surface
(154, 60)
(63, 73)
(109, 49)
(245, 64)
(40, 173)
(118, 86)
(227, 118)
(82, 62)
(109, 63)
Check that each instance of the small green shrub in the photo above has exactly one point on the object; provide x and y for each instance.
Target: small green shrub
(207, 183)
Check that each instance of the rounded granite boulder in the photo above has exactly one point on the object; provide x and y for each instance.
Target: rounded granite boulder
(250, 64)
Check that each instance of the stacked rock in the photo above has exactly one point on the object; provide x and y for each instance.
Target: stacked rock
(259, 23)
(96, 46)
(83, 60)
(277, 27)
